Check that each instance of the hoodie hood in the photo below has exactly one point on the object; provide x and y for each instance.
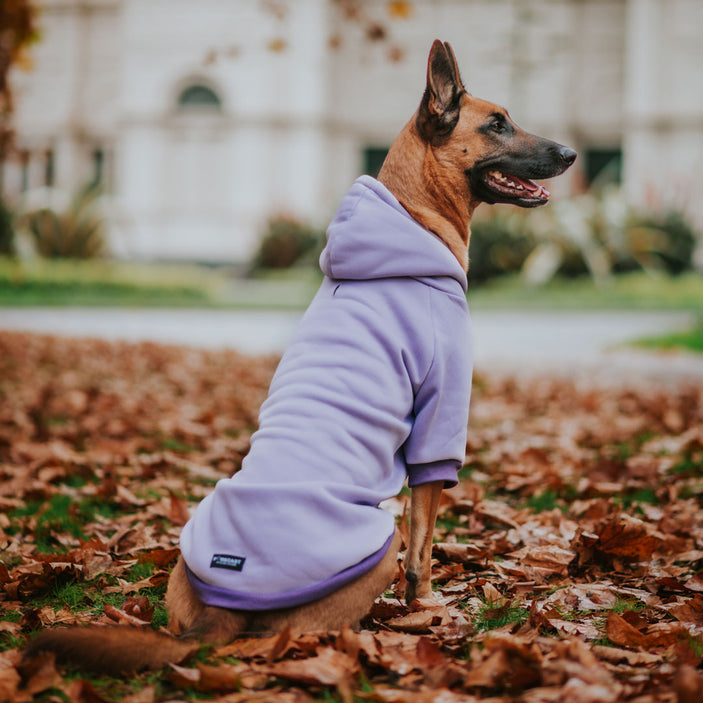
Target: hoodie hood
(372, 236)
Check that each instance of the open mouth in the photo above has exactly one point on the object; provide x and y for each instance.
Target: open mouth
(513, 188)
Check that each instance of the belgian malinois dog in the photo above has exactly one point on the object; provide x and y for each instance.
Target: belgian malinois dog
(456, 152)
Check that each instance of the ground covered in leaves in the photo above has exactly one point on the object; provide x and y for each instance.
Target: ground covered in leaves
(568, 562)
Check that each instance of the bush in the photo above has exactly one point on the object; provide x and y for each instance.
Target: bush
(666, 239)
(499, 245)
(601, 234)
(76, 233)
(7, 232)
(286, 242)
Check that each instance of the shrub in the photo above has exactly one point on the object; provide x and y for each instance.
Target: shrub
(287, 241)
(499, 245)
(77, 233)
(667, 238)
(601, 234)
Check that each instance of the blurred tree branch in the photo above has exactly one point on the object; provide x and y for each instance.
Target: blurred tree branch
(18, 29)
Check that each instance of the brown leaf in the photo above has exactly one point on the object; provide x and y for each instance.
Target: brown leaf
(139, 608)
(626, 538)
(183, 676)
(509, 663)
(178, 512)
(160, 557)
(688, 685)
(419, 621)
(617, 656)
(329, 668)
(690, 611)
(120, 616)
(145, 695)
(223, 677)
(39, 673)
(82, 691)
(621, 632)
(9, 676)
(437, 668)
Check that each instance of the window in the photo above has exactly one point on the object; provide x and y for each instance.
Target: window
(603, 166)
(374, 156)
(49, 168)
(199, 96)
(24, 166)
(98, 167)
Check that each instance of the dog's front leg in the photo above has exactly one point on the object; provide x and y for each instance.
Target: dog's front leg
(423, 513)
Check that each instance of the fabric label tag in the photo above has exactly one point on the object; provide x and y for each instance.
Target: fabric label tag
(227, 561)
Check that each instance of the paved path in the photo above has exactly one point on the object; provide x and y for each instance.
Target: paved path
(515, 342)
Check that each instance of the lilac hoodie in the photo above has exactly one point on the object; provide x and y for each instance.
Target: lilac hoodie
(373, 388)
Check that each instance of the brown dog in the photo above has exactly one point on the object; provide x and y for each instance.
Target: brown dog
(456, 152)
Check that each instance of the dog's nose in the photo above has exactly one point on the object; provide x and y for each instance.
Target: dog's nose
(568, 156)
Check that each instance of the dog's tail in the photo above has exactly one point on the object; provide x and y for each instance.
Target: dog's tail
(112, 650)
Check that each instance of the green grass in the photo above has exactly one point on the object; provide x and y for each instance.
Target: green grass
(491, 617)
(689, 340)
(632, 291)
(43, 282)
(622, 605)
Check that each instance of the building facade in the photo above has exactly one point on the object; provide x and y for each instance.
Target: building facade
(202, 120)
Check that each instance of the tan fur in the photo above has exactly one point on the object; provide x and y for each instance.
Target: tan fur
(432, 193)
(423, 513)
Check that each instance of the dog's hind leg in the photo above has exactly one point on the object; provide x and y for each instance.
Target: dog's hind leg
(348, 605)
(189, 617)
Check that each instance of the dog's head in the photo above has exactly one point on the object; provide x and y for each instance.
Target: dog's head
(480, 140)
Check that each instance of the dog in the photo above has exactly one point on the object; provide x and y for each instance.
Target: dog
(373, 389)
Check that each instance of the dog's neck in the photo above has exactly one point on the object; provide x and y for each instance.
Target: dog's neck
(440, 203)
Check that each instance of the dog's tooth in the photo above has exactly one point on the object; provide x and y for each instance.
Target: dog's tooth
(520, 186)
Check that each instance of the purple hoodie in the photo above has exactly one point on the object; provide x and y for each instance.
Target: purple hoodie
(373, 388)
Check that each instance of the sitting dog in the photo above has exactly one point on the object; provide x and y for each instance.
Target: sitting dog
(373, 390)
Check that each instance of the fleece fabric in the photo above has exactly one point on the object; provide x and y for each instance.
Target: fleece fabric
(373, 389)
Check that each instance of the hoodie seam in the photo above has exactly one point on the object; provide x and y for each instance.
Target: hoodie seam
(434, 337)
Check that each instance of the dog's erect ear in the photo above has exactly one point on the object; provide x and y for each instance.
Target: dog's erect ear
(439, 109)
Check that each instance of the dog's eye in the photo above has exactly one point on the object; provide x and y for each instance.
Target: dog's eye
(497, 126)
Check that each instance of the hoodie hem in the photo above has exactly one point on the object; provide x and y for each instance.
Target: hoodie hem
(433, 471)
(237, 600)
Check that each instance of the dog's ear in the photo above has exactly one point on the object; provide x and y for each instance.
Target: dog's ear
(439, 109)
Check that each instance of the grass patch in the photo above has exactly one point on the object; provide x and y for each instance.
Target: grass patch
(61, 514)
(98, 283)
(642, 495)
(632, 291)
(622, 605)
(492, 616)
(688, 340)
(93, 283)
(547, 500)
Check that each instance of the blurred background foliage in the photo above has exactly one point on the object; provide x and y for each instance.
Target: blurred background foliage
(76, 231)
(592, 251)
(288, 241)
(595, 234)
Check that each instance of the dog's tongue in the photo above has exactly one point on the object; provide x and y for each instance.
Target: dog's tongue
(526, 184)
(519, 185)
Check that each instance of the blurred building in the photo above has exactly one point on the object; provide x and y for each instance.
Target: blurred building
(203, 119)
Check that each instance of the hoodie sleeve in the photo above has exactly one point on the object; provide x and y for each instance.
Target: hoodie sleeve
(436, 447)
